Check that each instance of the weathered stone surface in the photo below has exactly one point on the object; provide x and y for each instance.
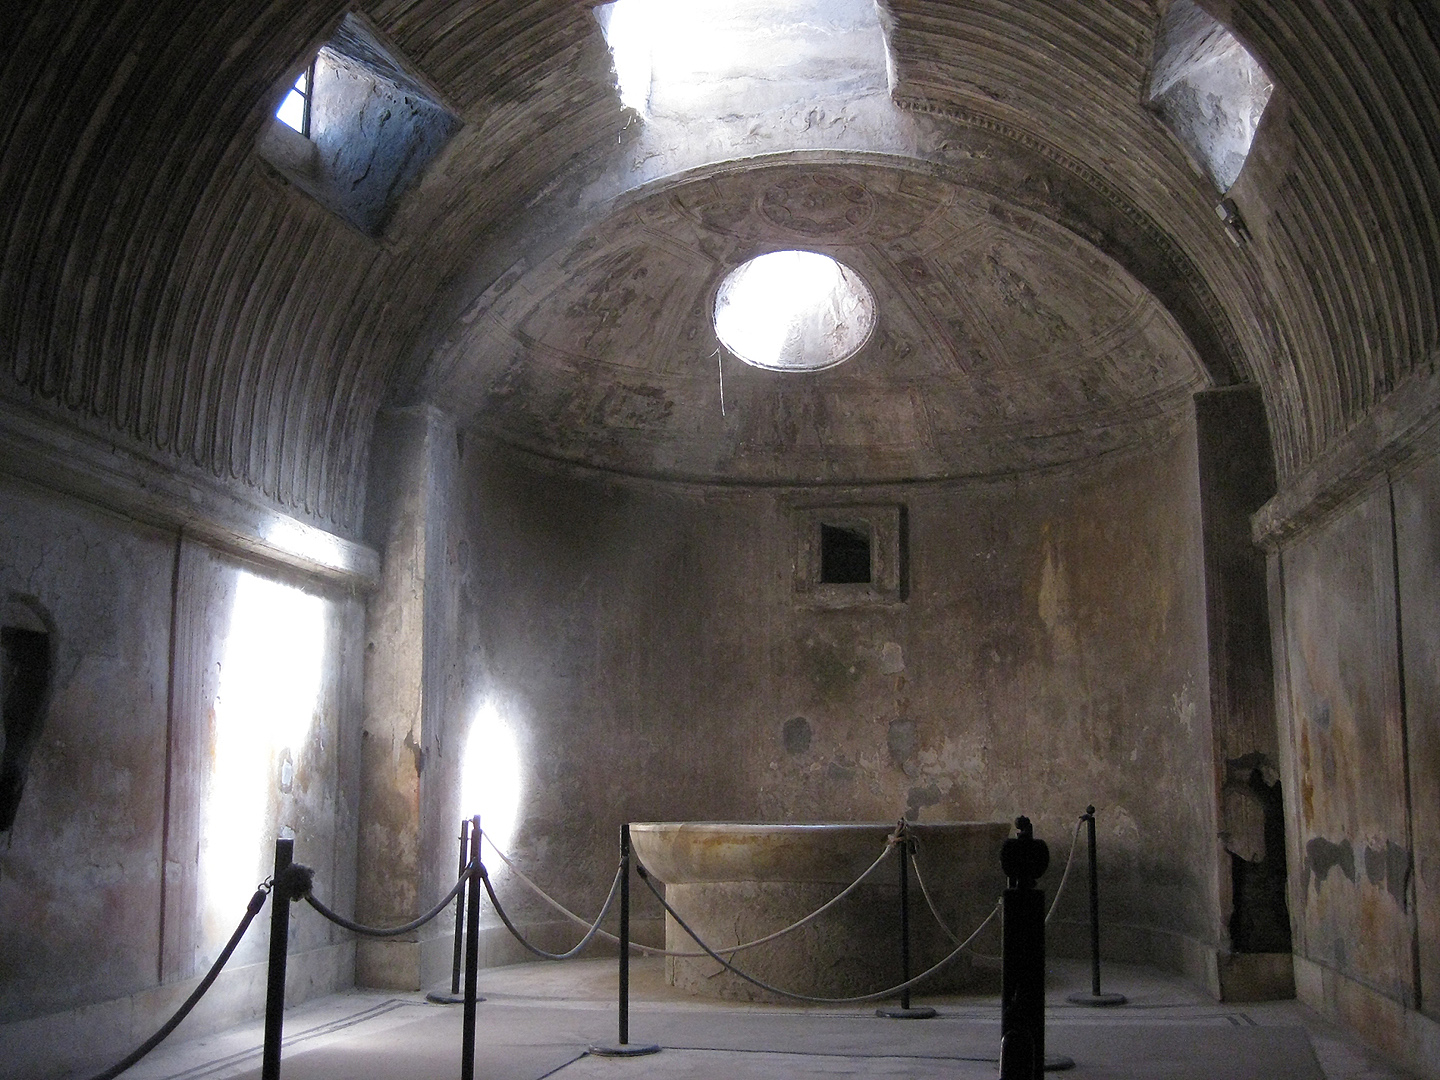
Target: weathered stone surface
(225, 343)
(737, 882)
(1053, 641)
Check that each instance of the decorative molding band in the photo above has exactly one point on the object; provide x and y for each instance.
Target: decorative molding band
(1403, 426)
(64, 459)
(1174, 256)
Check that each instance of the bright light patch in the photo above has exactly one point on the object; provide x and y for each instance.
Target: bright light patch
(626, 25)
(292, 109)
(703, 58)
(794, 311)
(269, 687)
(490, 776)
(307, 542)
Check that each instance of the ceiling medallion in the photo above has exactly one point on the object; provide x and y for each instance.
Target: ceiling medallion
(794, 311)
(818, 205)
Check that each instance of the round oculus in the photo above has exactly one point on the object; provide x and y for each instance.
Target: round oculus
(794, 311)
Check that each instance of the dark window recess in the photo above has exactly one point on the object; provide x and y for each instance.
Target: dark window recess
(24, 684)
(844, 555)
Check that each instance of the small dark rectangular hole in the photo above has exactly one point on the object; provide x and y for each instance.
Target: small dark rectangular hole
(844, 555)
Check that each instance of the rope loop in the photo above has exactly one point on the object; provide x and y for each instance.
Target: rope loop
(876, 996)
(679, 954)
(373, 931)
(590, 933)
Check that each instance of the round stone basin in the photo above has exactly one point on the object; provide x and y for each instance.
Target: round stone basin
(734, 882)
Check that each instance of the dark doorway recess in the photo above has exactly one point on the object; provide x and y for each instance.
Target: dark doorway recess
(1261, 920)
(24, 685)
(844, 555)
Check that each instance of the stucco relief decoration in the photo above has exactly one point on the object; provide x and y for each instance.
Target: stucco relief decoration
(818, 206)
(999, 341)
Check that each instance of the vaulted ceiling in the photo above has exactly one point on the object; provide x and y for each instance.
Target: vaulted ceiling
(164, 289)
(1004, 342)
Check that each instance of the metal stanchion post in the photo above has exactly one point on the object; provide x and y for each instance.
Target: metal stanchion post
(1022, 973)
(454, 997)
(472, 956)
(275, 975)
(905, 1012)
(624, 1048)
(1095, 997)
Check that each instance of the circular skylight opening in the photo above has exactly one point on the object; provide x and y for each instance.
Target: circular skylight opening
(794, 311)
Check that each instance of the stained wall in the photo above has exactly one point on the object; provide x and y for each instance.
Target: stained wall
(200, 706)
(647, 646)
(1357, 694)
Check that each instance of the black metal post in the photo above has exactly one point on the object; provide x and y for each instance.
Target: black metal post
(1095, 997)
(460, 907)
(623, 1047)
(472, 956)
(624, 934)
(905, 921)
(454, 997)
(905, 1012)
(275, 975)
(1022, 975)
(1094, 903)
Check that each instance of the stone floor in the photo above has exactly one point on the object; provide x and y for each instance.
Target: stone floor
(538, 1021)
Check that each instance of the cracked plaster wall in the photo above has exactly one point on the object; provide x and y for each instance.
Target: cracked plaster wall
(649, 647)
(108, 914)
(1358, 697)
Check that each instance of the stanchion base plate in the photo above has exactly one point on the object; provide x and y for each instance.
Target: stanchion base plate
(435, 997)
(626, 1050)
(923, 1012)
(1058, 1063)
(1097, 1000)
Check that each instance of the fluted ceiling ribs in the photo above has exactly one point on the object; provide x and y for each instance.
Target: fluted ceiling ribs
(164, 288)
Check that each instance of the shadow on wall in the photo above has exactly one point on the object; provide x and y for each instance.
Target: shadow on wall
(26, 665)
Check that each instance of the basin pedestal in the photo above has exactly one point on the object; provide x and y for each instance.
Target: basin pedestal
(736, 882)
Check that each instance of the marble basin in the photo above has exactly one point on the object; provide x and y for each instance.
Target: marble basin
(735, 881)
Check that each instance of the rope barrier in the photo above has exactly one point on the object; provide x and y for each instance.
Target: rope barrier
(935, 911)
(252, 909)
(1069, 861)
(392, 931)
(876, 996)
(594, 928)
(679, 954)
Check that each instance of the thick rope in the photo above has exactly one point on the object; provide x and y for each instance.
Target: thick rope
(935, 911)
(877, 996)
(391, 931)
(1069, 862)
(890, 842)
(256, 903)
(594, 928)
(920, 879)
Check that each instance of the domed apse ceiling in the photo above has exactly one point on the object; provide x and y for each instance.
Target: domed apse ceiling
(1003, 342)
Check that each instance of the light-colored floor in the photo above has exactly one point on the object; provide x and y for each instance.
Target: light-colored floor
(539, 1019)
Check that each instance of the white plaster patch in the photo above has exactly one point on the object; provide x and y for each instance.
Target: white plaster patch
(1185, 709)
(1124, 826)
(892, 659)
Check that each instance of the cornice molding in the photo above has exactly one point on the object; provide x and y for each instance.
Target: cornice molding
(1401, 429)
(50, 454)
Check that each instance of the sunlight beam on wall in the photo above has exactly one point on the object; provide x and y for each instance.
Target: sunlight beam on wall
(490, 776)
(265, 702)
